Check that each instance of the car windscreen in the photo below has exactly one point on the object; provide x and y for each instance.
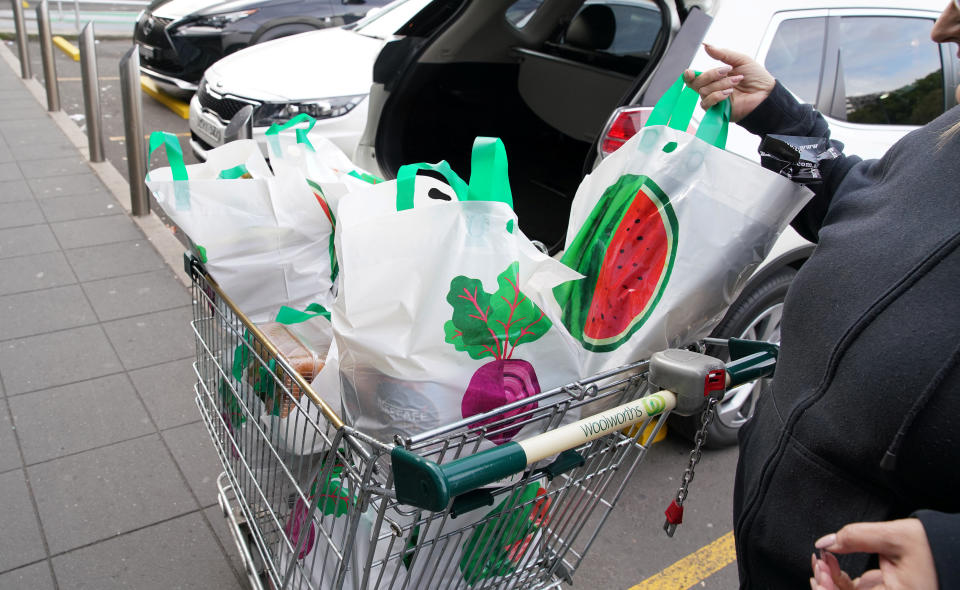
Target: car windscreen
(385, 22)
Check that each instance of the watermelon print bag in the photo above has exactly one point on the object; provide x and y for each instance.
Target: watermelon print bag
(445, 308)
(263, 237)
(666, 231)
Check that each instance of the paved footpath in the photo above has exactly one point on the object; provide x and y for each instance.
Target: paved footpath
(107, 476)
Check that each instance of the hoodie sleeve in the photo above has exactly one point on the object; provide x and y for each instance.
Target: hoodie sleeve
(782, 114)
(943, 534)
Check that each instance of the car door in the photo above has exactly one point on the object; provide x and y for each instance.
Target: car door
(873, 73)
(883, 77)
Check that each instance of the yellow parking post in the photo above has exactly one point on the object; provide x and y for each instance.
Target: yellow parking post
(65, 46)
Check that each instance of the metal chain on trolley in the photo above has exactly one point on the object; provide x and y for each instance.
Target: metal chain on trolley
(674, 512)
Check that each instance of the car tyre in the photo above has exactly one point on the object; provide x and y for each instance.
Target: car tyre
(755, 315)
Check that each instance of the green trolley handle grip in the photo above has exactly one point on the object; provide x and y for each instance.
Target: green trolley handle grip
(425, 484)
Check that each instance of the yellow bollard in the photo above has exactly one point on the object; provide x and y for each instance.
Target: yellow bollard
(67, 47)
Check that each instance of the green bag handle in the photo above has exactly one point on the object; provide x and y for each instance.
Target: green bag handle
(300, 132)
(178, 169)
(489, 180)
(289, 315)
(407, 175)
(675, 109)
(233, 173)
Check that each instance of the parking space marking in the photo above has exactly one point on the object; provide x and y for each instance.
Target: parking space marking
(147, 137)
(79, 79)
(178, 107)
(693, 568)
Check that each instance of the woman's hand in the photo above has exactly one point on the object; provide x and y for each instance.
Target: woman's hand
(742, 79)
(906, 561)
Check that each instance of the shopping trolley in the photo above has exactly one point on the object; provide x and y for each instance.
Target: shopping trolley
(313, 503)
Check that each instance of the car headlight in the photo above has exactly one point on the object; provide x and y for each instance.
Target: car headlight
(204, 24)
(324, 108)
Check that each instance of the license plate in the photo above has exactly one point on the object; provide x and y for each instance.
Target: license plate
(209, 130)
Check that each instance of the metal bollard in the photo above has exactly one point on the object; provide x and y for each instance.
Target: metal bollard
(240, 125)
(91, 92)
(21, 39)
(133, 130)
(46, 52)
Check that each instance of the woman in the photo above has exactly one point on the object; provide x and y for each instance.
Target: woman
(863, 419)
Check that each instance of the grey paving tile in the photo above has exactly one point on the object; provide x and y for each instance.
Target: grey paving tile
(49, 360)
(37, 133)
(43, 151)
(194, 453)
(37, 271)
(96, 204)
(20, 542)
(181, 553)
(22, 241)
(61, 186)
(57, 166)
(32, 577)
(220, 528)
(10, 171)
(19, 99)
(114, 260)
(107, 491)
(152, 339)
(78, 417)
(92, 232)
(22, 110)
(9, 453)
(6, 154)
(14, 190)
(20, 213)
(38, 312)
(131, 295)
(167, 391)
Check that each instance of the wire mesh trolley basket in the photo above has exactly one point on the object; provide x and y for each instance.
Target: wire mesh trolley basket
(314, 503)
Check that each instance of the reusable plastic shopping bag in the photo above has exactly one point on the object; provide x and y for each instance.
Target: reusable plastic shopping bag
(305, 339)
(470, 550)
(264, 238)
(445, 309)
(666, 231)
(295, 147)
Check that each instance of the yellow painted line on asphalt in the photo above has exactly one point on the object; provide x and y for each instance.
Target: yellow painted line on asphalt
(147, 137)
(67, 47)
(694, 568)
(178, 107)
(79, 79)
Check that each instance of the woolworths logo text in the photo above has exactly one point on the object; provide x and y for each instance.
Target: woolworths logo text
(651, 406)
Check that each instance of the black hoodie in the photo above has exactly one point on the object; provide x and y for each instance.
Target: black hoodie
(863, 420)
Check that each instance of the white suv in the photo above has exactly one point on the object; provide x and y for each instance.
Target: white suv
(545, 75)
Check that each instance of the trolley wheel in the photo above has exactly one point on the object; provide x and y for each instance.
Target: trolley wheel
(755, 315)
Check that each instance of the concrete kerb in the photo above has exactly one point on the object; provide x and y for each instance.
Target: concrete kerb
(158, 234)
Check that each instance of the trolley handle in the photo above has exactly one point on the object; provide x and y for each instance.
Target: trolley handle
(692, 379)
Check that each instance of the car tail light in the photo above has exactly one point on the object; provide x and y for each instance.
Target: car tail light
(624, 124)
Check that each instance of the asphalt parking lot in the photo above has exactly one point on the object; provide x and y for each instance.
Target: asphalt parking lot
(632, 550)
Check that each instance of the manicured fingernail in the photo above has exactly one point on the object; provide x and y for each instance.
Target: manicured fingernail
(727, 91)
(825, 541)
(722, 70)
(735, 79)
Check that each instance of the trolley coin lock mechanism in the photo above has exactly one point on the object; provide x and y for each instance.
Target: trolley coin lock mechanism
(700, 382)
